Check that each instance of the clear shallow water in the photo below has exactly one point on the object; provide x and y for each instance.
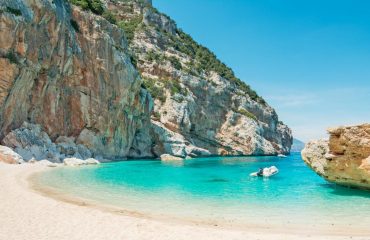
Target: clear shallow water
(216, 189)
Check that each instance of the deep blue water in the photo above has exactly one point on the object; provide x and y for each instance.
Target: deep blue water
(218, 187)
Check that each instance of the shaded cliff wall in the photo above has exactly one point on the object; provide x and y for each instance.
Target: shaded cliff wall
(69, 71)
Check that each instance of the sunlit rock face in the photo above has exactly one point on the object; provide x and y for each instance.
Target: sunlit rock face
(74, 80)
(198, 100)
(81, 77)
(344, 158)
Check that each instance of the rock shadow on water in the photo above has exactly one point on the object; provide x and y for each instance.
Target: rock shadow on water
(345, 191)
(217, 180)
(201, 164)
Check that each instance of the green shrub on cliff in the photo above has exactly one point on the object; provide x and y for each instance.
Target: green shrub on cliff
(175, 62)
(154, 90)
(81, 3)
(130, 26)
(206, 61)
(174, 86)
(95, 6)
(152, 56)
(246, 113)
(110, 17)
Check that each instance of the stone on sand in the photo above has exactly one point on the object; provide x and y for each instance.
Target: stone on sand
(7, 155)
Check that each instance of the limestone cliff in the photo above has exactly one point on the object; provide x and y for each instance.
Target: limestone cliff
(83, 76)
(344, 159)
(200, 106)
(68, 70)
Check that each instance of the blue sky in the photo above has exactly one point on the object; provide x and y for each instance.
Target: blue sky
(309, 59)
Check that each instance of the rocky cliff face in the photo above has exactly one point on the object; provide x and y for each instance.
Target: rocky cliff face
(344, 159)
(200, 106)
(68, 71)
(86, 79)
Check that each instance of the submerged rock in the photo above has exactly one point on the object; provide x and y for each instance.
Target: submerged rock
(7, 155)
(344, 158)
(168, 157)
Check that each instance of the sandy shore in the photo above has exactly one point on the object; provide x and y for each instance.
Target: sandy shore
(27, 214)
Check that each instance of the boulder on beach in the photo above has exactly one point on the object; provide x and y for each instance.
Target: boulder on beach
(168, 157)
(73, 162)
(92, 161)
(78, 162)
(7, 155)
(46, 163)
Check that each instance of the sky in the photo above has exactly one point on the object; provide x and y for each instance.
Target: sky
(309, 59)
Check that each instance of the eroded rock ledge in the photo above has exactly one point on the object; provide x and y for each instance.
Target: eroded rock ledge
(344, 158)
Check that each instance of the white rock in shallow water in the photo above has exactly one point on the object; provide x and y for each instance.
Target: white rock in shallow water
(7, 155)
(73, 162)
(92, 161)
(168, 157)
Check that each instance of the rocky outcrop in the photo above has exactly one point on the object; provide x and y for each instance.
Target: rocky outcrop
(198, 100)
(92, 161)
(169, 157)
(77, 84)
(173, 143)
(31, 142)
(7, 155)
(344, 158)
(74, 162)
(69, 71)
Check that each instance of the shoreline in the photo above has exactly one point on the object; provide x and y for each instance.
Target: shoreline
(289, 227)
(18, 181)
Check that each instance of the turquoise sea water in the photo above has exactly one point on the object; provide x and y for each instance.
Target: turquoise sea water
(218, 189)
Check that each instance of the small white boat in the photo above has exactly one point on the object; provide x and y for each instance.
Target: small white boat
(266, 172)
(281, 155)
